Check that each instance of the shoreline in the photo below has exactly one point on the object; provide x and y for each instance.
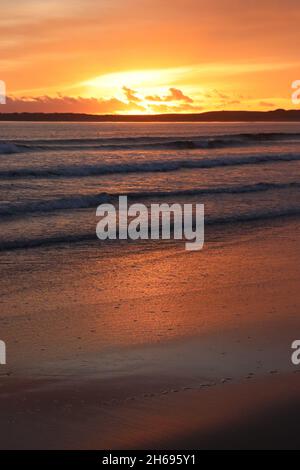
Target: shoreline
(277, 115)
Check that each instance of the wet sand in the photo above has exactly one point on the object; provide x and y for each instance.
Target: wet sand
(153, 348)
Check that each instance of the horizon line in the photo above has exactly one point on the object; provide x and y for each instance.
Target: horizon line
(226, 115)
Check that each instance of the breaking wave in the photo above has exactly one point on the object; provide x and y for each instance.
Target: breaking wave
(147, 142)
(144, 167)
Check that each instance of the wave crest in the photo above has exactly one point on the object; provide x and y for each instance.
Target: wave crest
(147, 142)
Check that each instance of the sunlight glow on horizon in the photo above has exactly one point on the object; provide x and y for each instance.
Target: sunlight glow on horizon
(81, 56)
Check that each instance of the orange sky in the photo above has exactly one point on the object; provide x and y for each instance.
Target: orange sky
(148, 56)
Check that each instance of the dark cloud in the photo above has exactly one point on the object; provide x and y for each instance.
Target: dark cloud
(131, 95)
(174, 102)
(182, 108)
(154, 98)
(266, 104)
(174, 95)
(177, 95)
(66, 104)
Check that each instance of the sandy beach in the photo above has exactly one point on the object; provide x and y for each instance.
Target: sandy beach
(154, 347)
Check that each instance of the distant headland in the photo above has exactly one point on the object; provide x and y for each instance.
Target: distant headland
(277, 115)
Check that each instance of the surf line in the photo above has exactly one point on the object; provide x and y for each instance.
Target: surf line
(160, 221)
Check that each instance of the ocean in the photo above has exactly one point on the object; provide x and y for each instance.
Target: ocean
(97, 327)
(54, 175)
